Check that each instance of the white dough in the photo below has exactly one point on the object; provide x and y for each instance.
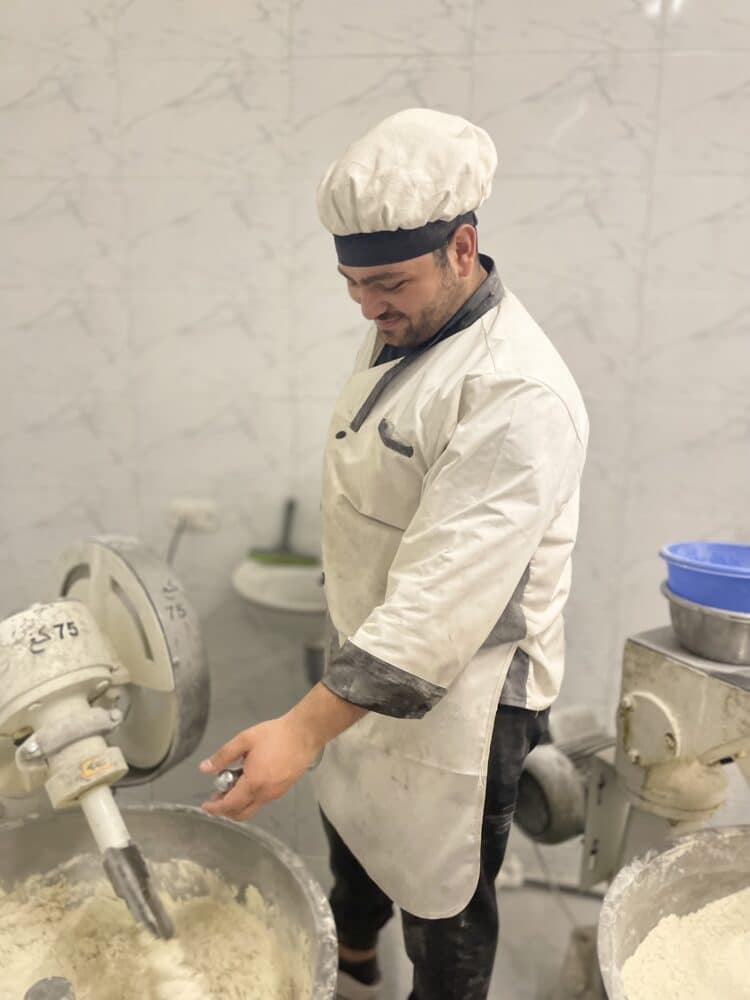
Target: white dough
(222, 950)
(702, 956)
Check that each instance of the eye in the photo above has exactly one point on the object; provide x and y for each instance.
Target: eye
(394, 287)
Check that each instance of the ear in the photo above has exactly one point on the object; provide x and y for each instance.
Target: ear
(465, 249)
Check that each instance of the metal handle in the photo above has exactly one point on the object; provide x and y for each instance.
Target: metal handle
(227, 779)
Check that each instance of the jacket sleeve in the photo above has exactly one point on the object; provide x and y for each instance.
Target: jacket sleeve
(513, 461)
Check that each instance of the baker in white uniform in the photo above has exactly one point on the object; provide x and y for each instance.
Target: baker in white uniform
(450, 511)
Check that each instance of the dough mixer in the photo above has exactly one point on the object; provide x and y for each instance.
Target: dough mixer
(681, 718)
(105, 685)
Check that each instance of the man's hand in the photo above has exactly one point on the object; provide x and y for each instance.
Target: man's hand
(275, 755)
(278, 752)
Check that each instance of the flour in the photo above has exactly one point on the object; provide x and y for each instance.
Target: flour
(702, 956)
(223, 949)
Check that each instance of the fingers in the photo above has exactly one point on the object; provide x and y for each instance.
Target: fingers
(238, 746)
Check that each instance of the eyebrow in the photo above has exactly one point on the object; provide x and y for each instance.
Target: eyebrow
(375, 277)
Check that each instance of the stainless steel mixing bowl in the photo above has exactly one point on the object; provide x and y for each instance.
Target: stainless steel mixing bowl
(244, 855)
(718, 635)
(698, 869)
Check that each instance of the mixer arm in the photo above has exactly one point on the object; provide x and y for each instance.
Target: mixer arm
(128, 873)
(120, 633)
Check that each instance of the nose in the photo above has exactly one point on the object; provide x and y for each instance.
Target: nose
(372, 303)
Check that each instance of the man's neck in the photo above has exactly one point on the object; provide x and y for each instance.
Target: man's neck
(481, 275)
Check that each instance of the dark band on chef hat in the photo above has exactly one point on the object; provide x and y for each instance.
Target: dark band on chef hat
(390, 247)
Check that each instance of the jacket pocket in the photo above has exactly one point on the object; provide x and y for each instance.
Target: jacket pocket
(392, 440)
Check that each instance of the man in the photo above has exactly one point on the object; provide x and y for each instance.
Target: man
(450, 509)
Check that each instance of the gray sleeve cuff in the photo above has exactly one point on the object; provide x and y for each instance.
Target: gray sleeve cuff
(374, 684)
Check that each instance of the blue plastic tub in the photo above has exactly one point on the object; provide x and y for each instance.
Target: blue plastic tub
(715, 574)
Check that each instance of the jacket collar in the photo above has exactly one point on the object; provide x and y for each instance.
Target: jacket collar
(486, 297)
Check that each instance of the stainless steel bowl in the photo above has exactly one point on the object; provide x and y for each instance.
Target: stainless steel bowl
(700, 868)
(710, 632)
(243, 855)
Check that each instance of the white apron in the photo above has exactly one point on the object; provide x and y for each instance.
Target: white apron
(432, 511)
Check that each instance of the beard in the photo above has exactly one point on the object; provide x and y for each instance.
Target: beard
(421, 327)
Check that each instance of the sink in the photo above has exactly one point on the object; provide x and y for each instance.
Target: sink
(286, 599)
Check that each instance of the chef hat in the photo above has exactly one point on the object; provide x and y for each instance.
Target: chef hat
(402, 189)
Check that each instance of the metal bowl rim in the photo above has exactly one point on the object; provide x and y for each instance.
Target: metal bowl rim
(707, 609)
(325, 973)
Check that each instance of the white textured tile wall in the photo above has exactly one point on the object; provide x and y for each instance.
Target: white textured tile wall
(173, 323)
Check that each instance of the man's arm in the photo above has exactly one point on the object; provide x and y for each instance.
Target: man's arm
(278, 752)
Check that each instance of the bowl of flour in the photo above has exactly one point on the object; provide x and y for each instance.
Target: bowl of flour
(250, 922)
(676, 925)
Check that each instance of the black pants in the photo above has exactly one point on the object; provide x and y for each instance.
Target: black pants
(453, 957)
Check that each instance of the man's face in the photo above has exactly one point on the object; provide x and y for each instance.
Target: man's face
(408, 301)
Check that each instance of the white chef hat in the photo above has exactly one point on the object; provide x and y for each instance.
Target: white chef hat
(401, 189)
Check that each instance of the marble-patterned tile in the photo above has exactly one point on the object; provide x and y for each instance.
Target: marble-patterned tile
(218, 232)
(208, 432)
(578, 25)
(335, 100)
(705, 95)
(642, 605)
(67, 439)
(688, 479)
(707, 26)
(327, 326)
(311, 418)
(15, 595)
(58, 117)
(237, 455)
(326, 28)
(595, 329)
(325, 345)
(59, 512)
(695, 346)
(71, 31)
(569, 112)
(191, 29)
(580, 233)
(191, 117)
(698, 235)
(591, 615)
(61, 231)
(218, 344)
(66, 351)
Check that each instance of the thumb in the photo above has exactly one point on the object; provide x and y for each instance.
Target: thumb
(238, 746)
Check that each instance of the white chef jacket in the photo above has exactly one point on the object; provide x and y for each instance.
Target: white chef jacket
(450, 510)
